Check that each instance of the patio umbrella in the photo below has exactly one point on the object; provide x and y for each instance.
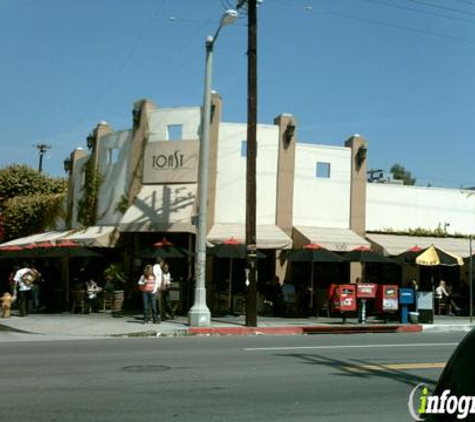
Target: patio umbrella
(364, 254)
(434, 256)
(233, 249)
(165, 250)
(312, 253)
(58, 249)
(410, 255)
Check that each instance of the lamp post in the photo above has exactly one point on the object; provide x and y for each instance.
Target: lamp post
(199, 314)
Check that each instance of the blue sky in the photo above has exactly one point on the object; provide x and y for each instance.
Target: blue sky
(399, 72)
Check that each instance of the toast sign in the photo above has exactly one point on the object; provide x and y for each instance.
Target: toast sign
(171, 162)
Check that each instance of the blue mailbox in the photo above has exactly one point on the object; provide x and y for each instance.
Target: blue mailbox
(406, 298)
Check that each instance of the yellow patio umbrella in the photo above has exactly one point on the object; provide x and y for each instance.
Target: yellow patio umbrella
(433, 256)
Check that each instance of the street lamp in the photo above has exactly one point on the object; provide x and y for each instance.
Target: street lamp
(199, 314)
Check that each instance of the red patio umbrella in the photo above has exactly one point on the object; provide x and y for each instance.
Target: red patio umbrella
(312, 253)
(410, 255)
(230, 248)
(233, 249)
(364, 254)
(164, 249)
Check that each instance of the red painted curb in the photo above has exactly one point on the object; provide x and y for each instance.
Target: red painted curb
(244, 330)
(321, 329)
(415, 328)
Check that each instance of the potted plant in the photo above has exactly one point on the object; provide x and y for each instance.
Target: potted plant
(115, 279)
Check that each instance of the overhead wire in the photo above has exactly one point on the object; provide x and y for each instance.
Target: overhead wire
(438, 6)
(470, 2)
(108, 85)
(425, 12)
(384, 23)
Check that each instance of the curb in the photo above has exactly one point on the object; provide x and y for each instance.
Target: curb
(320, 329)
(429, 328)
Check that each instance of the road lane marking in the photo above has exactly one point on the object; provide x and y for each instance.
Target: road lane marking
(354, 346)
(398, 366)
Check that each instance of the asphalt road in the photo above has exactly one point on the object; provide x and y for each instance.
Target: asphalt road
(363, 377)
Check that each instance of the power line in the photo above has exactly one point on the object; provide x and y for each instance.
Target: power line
(438, 6)
(406, 28)
(471, 3)
(425, 12)
(388, 24)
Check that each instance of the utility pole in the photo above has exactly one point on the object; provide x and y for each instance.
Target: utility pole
(42, 148)
(251, 305)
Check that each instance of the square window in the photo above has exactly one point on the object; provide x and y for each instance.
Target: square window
(323, 170)
(244, 149)
(113, 156)
(175, 132)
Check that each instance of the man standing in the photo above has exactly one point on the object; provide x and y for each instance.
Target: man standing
(158, 273)
(165, 307)
(23, 279)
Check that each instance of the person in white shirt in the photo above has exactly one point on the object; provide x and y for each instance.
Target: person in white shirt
(165, 307)
(23, 279)
(92, 292)
(442, 295)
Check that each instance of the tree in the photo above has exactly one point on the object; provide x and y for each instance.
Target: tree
(30, 202)
(400, 173)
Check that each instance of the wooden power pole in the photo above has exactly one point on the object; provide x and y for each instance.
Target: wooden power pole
(251, 306)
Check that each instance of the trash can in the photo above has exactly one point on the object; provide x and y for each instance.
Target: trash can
(425, 306)
(406, 298)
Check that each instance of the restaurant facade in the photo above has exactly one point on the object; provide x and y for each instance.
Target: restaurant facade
(142, 183)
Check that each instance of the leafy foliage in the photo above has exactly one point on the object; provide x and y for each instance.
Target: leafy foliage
(87, 205)
(419, 232)
(122, 205)
(400, 173)
(115, 274)
(21, 180)
(30, 202)
(25, 215)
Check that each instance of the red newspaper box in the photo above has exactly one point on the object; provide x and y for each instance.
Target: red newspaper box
(366, 291)
(344, 298)
(387, 298)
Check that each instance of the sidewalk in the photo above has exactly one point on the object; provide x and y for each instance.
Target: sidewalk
(130, 325)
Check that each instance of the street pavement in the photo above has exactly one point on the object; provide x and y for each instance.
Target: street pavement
(130, 324)
(317, 378)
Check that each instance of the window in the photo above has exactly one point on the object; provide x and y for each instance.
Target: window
(175, 132)
(244, 149)
(323, 170)
(113, 156)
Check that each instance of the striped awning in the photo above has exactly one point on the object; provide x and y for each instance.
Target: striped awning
(331, 238)
(269, 236)
(392, 244)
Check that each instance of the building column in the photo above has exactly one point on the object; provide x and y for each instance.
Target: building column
(140, 131)
(359, 149)
(75, 156)
(285, 182)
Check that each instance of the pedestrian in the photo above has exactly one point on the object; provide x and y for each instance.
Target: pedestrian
(277, 298)
(165, 285)
(92, 295)
(158, 273)
(148, 283)
(24, 278)
(36, 290)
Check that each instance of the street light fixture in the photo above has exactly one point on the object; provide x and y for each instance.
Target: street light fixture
(199, 314)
